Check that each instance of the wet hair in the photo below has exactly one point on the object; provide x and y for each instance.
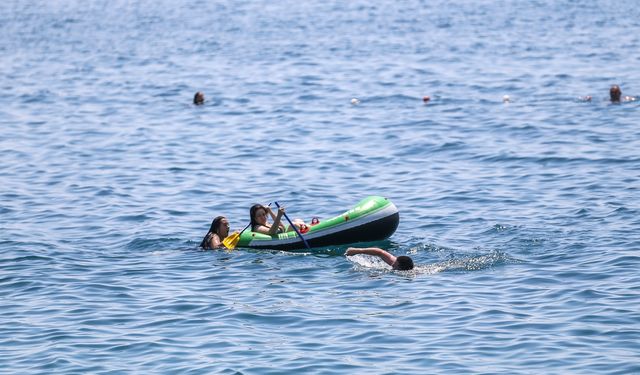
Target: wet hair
(404, 263)
(198, 98)
(252, 214)
(614, 93)
(214, 229)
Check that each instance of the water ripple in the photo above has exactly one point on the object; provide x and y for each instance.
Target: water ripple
(521, 215)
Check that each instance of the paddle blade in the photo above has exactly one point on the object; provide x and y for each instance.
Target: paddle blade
(231, 241)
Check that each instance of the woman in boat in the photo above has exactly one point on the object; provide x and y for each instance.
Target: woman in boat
(259, 221)
(218, 231)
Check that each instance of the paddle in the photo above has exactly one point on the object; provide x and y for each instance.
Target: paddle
(295, 228)
(231, 241)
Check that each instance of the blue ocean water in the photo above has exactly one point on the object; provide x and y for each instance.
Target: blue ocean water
(522, 217)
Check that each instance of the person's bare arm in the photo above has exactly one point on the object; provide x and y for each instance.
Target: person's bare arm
(276, 222)
(387, 257)
(262, 229)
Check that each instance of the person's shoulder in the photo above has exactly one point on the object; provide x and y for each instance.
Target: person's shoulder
(214, 241)
(206, 242)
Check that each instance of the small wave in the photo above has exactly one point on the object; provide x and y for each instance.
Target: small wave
(138, 218)
(474, 263)
(309, 97)
(27, 258)
(503, 157)
(151, 243)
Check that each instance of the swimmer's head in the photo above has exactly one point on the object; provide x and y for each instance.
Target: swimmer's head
(198, 98)
(403, 263)
(614, 93)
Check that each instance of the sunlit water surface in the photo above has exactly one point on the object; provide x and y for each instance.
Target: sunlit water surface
(523, 217)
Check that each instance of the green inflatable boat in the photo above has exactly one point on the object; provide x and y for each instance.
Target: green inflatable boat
(372, 219)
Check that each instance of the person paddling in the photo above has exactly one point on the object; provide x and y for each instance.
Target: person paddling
(259, 221)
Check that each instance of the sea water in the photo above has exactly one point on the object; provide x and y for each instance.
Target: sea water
(522, 216)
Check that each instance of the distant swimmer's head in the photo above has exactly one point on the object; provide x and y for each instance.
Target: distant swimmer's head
(198, 98)
(403, 263)
(615, 93)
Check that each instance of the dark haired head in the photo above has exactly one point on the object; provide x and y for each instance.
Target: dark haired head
(403, 263)
(615, 93)
(252, 213)
(215, 228)
(198, 98)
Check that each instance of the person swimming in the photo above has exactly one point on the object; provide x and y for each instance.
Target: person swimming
(400, 263)
(218, 231)
(198, 98)
(615, 95)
